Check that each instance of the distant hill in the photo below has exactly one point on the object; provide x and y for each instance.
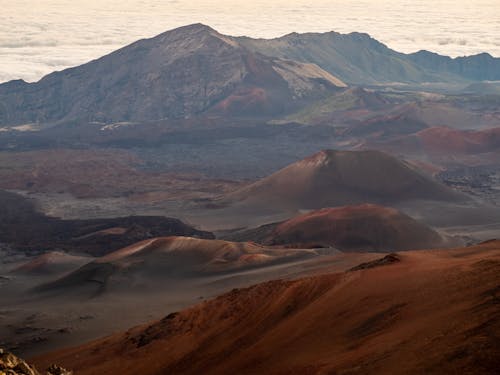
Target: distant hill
(336, 178)
(365, 227)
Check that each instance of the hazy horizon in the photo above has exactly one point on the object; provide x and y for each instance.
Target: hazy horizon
(36, 39)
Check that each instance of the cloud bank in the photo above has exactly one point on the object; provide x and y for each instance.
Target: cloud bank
(39, 37)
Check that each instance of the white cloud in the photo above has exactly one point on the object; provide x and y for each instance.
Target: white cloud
(39, 37)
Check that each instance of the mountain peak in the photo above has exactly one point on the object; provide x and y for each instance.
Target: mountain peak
(189, 33)
(194, 27)
(328, 155)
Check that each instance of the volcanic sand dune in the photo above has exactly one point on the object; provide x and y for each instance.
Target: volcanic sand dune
(169, 258)
(366, 227)
(336, 178)
(52, 262)
(432, 312)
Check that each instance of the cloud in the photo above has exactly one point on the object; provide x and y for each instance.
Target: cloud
(39, 37)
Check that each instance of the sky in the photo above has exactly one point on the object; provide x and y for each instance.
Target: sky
(41, 36)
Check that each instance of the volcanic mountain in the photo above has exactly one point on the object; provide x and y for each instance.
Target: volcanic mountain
(336, 178)
(195, 70)
(177, 74)
(366, 227)
(432, 312)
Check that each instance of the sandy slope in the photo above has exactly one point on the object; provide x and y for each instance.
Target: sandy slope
(432, 312)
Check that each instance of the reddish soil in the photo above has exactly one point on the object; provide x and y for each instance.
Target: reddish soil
(366, 227)
(246, 100)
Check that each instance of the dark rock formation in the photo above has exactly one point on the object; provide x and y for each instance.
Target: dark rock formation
(28, 230)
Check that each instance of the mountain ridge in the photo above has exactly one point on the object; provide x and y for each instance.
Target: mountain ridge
(194, 70)
(176, 74)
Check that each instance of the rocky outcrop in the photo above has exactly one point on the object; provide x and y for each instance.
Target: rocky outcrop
(12, 365)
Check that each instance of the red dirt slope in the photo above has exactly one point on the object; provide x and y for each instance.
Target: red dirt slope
(432, 312)
(366, 227)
